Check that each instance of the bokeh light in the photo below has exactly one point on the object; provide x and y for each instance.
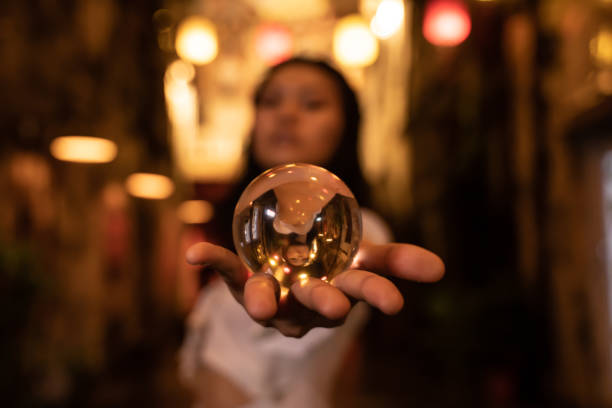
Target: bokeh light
(601, 47)
(290, 10)
(196, 40)
(273, 43)
(446, 23)
(149, 186)
(83, 149)
(354, 44)
(181, 71)
(388, 18)
(195, 211)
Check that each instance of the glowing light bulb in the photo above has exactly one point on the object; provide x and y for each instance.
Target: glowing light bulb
(446, 23)
(195, 211)
(149, 186)
(354, 44)
(196, 40)
(312, 238)
(388, 18)
(83, 149)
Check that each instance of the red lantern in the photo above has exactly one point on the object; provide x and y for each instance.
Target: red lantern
(446, 23)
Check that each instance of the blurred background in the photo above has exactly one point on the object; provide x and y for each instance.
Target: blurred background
(487, 139)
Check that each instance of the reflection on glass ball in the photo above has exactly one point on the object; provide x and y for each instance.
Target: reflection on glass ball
(297, 221)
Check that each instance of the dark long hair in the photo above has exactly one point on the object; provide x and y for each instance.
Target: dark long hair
(344, 162)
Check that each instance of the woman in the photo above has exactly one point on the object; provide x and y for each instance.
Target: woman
(236, 353)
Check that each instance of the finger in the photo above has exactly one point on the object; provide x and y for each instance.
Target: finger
(222, 260)
(372, 288)
(298, 329)
(401, 260)
(321, 297)
(260, 296)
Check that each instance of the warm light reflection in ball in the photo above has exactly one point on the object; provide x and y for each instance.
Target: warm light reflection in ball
(295, 222)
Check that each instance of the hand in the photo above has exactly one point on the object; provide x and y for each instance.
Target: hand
(313, 303)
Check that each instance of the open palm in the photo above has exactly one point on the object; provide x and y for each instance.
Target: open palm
(312, 302)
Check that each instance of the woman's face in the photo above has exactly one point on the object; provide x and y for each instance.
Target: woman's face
(299, 118)
(297, 255)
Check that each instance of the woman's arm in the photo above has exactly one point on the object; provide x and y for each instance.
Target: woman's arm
(314, 303)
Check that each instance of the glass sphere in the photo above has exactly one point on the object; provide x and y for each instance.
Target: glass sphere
(297, 221)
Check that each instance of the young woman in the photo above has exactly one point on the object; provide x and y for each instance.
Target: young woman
(245, 347)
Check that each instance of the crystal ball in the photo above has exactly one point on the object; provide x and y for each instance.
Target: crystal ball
(297, 221)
